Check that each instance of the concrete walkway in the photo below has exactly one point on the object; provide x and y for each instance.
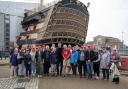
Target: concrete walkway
(58, 82)
(77, 83)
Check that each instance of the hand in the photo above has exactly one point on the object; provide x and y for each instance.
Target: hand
(29, 62)
(89, 60)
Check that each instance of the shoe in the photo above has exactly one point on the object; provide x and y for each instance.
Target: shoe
(97, 78)
(117, 80)
(113, 80)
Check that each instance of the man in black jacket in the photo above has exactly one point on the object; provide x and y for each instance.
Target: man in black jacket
(46, 57)
(59, 59)
(89, 57)
(28, 61)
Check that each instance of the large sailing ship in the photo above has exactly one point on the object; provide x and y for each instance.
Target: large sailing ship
(66, 22)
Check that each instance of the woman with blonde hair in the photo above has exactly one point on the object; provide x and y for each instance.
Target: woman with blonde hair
(14, 63)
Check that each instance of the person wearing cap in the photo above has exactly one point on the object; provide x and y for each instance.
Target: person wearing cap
(13, 63)
(89, 57)
(66, 54)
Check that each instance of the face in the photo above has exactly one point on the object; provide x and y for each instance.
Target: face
(114, 51)
(59, 44)
(69, 46)
(104, 50)
(33, 49)
(65, 46)
(47, 47)
(27, 51)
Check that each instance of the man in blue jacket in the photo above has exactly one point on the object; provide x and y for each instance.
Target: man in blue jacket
(73, 60)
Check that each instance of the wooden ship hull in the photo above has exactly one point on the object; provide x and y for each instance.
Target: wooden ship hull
(66, 22)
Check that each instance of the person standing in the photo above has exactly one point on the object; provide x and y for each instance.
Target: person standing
(82, 63)
(73, 60)
(89, 57)
(105, 63)
(39, 61)
(53, 61)
(116, 63)
(28, 62)
(13, 63)
(21, 65)
(59, 65)
(66, 54)
(69, 64)
(96, 64)
(47, 60)
(33, 54)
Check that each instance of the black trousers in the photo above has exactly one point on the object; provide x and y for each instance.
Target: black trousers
(96, 67)
(46, 68)
(73, 68)
(105, 73)
(82, 68)
(59, 67)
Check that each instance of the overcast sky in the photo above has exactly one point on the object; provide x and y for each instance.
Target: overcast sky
(107, 17)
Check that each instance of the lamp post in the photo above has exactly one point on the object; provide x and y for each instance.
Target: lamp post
(122, 40)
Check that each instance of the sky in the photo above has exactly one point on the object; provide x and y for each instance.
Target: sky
(107, 17)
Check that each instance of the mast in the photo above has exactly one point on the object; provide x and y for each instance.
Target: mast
(41, 3)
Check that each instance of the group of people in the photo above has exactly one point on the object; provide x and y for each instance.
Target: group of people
(64, 60)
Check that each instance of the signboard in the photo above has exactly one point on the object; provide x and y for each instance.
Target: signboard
(123, 59)
(124, 63)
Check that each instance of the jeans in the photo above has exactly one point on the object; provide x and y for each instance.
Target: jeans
(33, 67)
(89, 69)
(21, 70)
(53, 69)
(28, 69)
(105, 73)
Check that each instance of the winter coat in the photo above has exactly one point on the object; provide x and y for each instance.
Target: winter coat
(53, 58)
(89, 55)
(74, 57)
(115, 70)
(27, 59)
(59, 54)
(105, 60)
(46, 56)
(13, 60)
(66, 54)
(80, 55)
(115, 58)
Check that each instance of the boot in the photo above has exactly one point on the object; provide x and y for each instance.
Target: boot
(114, 80)
(117, 80)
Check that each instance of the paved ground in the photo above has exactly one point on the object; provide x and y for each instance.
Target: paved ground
(57, 82)
(7, 83)
(77, 83)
